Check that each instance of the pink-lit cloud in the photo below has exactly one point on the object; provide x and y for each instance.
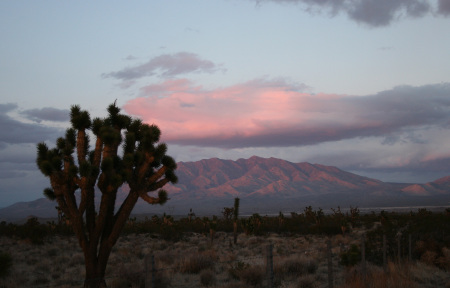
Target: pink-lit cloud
(275, 113)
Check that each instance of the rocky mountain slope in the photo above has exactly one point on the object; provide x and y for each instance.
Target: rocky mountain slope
(269, 185)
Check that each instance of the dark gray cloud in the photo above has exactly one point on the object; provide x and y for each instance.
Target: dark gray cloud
(12, 174)
(373, 13)
(16, 132)
(416, 171)
(130, 57)
(383, 12)
(19, 185)
(404, 106)
(444, 7)
(47, 114)
(167, 65)
(20, 155)
(7, 107)
(18, 171)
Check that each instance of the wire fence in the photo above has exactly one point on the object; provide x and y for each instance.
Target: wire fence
(267, 261)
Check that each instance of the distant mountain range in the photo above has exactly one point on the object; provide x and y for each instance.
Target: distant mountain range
(267, 185)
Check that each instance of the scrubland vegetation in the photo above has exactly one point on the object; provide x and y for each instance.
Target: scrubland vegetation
(200, 251)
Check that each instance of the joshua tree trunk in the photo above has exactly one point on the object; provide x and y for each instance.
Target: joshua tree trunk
(96, 267)
(95, 276)
(235, 232)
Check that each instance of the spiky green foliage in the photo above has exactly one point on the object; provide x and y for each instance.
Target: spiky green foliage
(79, 119)
(162, 195)
(126, 151)
(96, 126)
(50, 194)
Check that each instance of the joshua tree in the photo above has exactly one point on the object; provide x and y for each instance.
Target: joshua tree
(75, 172)
(227, 212)
(190, 215)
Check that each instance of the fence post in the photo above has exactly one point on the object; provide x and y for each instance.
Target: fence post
(399, 236)
(153, 272)
(330, 265)
(269, 266)
(363, 255)
(150, 268)
(147, 268)
(384, 253)
(409, 248)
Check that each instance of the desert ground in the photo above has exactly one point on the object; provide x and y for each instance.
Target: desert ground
(193, 261)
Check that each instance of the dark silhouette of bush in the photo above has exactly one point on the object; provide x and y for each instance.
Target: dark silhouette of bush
(35, 231)
(252, 225)
(5, 264)
(351, 257)
(207, 278)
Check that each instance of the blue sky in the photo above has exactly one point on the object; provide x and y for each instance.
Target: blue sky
(362, 85)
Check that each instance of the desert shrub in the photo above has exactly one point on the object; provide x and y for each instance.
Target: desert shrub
(252, 276)
(307, 281)
(171, 233)
(161, 280)
(429, 234)
(196, 263)
(40, 281)
(118, 283)
(76, 259)
(429, 257)
(7, 229)
(128, 273)
(236, 285)
(165, 258)
(330, 227)
(296, 266)
(31, 230)
(445, 259)
(32, 261)
(207, 278)
(432, 253)
(252, 225)
(127, 276)
(376, 278)
(236, 269)
(55, 275)
(52, 252)
(5, 264)
(351, 257)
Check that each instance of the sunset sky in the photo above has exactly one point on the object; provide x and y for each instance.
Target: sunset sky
(363, 85)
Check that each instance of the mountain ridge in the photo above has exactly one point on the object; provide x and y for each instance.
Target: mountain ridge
(268, 184)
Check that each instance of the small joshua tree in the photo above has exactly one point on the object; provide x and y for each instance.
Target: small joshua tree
(142, 164)
(191, 214)
(227, 212)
